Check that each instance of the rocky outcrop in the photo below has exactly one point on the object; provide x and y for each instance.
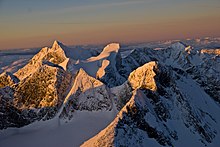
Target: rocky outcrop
(7, 79)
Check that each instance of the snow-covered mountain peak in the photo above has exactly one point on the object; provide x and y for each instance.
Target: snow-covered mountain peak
(180, 54)
(83, 79)
(178, 46)
(112, 47)
(107, 51)
(55, 55)
(86, 93)
(143, 77)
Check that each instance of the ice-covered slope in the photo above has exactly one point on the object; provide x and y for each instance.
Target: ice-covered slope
(169, 114)
(207, 74)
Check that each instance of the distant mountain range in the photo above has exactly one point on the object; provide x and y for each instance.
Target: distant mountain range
(159, 94)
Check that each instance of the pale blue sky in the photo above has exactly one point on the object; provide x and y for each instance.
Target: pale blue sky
(30, 23)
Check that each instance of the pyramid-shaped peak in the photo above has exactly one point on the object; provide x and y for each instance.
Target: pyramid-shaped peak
(143, 77)
(86, 81)
(81, 71)
(57, 44)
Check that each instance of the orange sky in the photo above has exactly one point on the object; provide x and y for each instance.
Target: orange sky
(119, 21)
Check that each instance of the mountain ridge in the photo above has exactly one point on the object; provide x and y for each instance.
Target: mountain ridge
(151, 89)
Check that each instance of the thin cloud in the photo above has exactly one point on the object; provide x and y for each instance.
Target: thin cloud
(94, 23)
(95, 6)
(103, 5)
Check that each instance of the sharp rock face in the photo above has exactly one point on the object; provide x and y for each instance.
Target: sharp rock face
(7, 79)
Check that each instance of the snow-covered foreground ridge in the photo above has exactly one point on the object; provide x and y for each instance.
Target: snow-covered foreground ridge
(165, 96)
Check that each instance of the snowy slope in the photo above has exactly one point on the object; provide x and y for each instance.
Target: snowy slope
(53, 133)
